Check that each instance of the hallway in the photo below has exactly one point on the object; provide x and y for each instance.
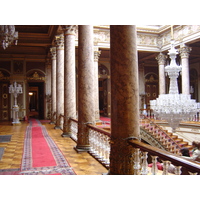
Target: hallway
(82, 163)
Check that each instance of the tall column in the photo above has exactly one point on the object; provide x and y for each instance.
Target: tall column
(161, 62)
(85, 85)
(59, 78)
(96, 83)
(53, 83)
(184, 53)
(69, 77)
(124, 97)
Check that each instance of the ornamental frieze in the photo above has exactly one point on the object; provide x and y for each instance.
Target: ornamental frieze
(151, 39)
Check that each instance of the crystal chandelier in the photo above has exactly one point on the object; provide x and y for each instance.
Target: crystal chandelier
(8, 35)
(174, 107)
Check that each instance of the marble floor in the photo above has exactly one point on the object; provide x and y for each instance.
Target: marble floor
(82, 163)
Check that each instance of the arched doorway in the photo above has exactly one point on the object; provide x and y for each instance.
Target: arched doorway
(36, 95)
(151, 88)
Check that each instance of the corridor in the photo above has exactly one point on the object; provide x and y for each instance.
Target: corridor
(11, 161)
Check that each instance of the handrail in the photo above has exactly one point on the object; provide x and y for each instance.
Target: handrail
(160, 128)
(99, 130)
(164, 155)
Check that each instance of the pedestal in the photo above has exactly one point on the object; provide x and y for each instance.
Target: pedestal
(15, 115)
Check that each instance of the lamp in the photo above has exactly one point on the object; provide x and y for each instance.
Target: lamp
(15, 89)
(174, 107)
(8, 35)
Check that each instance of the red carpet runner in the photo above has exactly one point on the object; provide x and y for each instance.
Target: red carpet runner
(41, 155)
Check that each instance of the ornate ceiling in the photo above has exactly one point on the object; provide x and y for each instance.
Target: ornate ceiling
(35, 41)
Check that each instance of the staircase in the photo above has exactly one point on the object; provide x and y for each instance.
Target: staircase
(169, 141)
(167, 138)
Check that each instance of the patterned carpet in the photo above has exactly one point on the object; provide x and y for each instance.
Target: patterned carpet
(43, 165)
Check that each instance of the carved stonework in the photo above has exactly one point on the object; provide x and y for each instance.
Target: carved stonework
(59, 41)
(185, 51)
(35, 76)
(161, 58)
(69, 29)
(53, 53)
(96, 55)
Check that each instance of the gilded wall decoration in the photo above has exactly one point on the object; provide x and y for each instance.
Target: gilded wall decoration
(35, 76)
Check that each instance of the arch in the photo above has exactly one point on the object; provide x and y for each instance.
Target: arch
(31, 71)
(4, 74)
(103, 70)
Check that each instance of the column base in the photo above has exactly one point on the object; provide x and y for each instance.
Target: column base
(57, 127)
(80, 149)
(66, 135)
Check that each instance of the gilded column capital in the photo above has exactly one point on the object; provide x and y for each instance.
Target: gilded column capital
(96, 55)
(53, 53)
(70, 29)
(59, 41)
(161, 58)
(184, 51)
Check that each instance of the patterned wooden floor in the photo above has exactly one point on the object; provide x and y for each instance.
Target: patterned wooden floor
(82, 163)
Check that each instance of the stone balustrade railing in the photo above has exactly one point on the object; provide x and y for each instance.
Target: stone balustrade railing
(149, 113)
(100, 144)
(177, 164)
(144, 154)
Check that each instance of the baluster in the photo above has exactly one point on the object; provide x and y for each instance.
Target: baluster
(136, 161)
(154, 168)
(166, 164)
(144, 170)
(178, 170)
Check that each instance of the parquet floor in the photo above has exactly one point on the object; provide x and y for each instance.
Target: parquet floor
(82, 163)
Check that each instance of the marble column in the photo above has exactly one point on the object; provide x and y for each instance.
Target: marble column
(59, 41)
(53, 83)
(69, 77)
(184, 53)
(161, 62)
(96, 83)
(85, 85)
(124, 97)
